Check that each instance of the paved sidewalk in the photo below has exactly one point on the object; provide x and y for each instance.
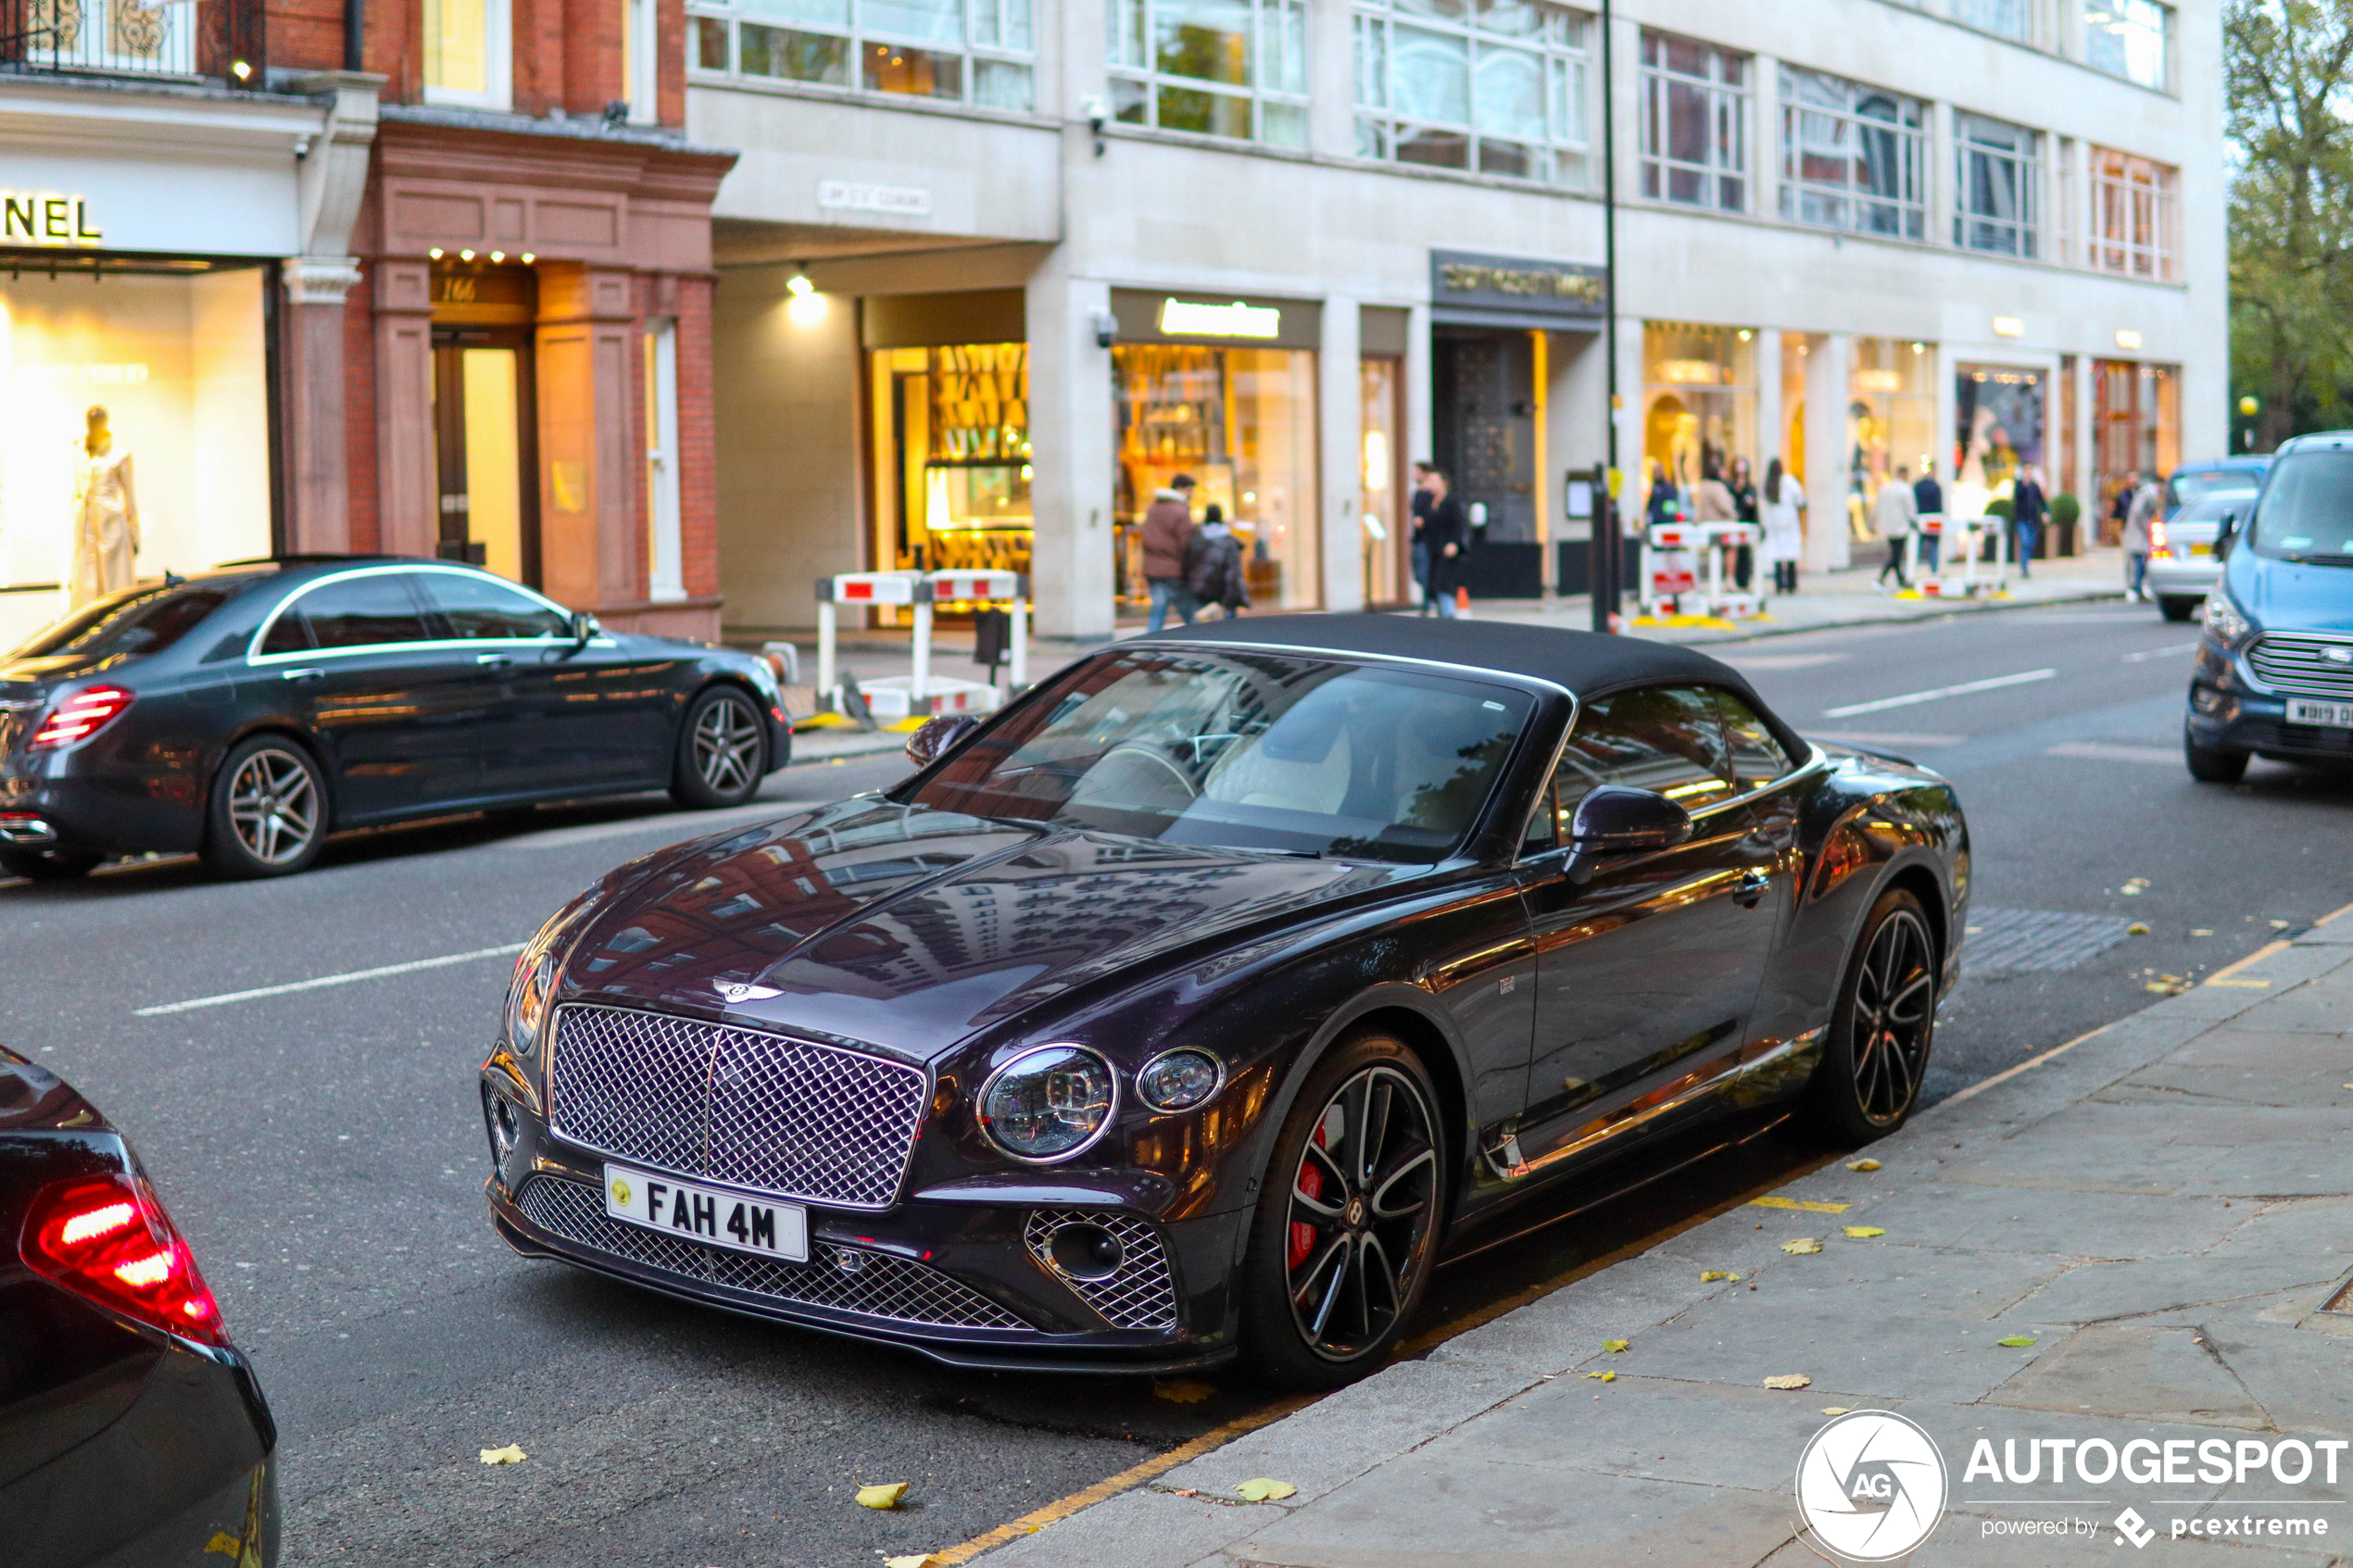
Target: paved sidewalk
(2159, 1212)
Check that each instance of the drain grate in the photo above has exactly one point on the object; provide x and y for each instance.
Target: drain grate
(2038, 939)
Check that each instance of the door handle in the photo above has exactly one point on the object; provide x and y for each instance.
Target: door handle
(302, 674)
(1752, 888)
(495, 660)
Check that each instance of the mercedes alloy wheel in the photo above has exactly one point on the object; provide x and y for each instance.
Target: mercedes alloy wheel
(268, 811)
(723, 750)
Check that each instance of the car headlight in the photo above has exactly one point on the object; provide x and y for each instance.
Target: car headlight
(535, 966)
(2225, 623)
(1179, 1080)
(1048, 1104)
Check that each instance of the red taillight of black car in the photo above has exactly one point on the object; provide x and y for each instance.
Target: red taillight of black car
(108, 1239)
(79, 716)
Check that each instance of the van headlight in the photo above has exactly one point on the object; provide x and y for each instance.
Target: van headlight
(1048, 1104)
(2225, 623)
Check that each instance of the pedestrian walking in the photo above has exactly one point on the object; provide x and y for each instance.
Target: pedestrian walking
(2146, 504)
(1928, 499)
(1663, 505)
(2028, 507)
(1420, 552)
(1895, 517)
(1214, 572)
(1782, 511)
(1449, 534)
(1742, 484)
(1168, 526)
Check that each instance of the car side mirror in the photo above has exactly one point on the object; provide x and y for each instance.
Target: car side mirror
(585, 628)
(1617, 819)
(939, 736)
(2224, 534)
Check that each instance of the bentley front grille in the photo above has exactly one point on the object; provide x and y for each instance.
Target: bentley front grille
(848, 1279)
(1140, 1293)
(808, 1121)
(2301, 664)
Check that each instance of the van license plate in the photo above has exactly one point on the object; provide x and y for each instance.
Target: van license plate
(2304, 710)
(711, 1215)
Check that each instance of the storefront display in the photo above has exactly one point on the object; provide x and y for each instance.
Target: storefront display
(486, 414)
(133, 429)
(1699, 400)
(1387, 517)
(1999, 430)
(1891, 413)
(2137, 429)
(952, 459)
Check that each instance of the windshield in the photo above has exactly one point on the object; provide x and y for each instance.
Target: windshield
(2214, 509)
(142, 621)
(1254, 751)
(2188, 487)
(2306, 513)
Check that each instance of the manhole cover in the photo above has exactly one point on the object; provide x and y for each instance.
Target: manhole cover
(2038, 939)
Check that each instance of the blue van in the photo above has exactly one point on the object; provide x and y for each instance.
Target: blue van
(2274, 674)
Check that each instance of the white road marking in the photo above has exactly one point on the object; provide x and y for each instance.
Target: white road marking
(2106, 752)
(680, 824)
(1909, 698)
(1884, 737)
(2160, 653)
(507, 950)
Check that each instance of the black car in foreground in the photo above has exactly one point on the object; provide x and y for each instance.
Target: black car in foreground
(1197, 1001)
(247, 713)
(132, 1434)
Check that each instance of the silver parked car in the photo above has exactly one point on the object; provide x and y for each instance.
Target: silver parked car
(2182, 564)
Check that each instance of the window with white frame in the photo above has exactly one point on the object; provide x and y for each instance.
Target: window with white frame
(2134, 226)
(1997, 199)
(1694, 123)
(1853, 157)
(2132, 39)
(1217, 68)
(962, 51)
(1497, 86)
(468, 53)
(2010, 19)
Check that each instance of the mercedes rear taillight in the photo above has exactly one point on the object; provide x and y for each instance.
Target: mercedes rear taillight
(79, 716)
(107, 1240)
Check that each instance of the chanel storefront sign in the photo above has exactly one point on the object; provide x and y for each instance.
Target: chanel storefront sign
(1513, 291)
(45, 218)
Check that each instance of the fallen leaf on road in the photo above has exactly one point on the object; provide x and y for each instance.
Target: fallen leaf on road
(1264, 1490)
(511, 1454)
(1709, 1276)
(1835, 1410)
(1862, 1165)
(2017, 1341)
(921, 1559)
(1861, 1232)
(1801, 1248)
(1603, 1376)
(1182, 1391)
(884, 1495)
(1790, 1380)
(2168, 986)
(2201, 931)
(2136, 929)
(2279, 925)
(1613, 1346)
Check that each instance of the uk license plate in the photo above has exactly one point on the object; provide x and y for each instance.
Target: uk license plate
(2201, 549)
(2304, 710)
(711, 1215)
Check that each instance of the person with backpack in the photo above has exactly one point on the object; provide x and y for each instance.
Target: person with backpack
(1214, 570)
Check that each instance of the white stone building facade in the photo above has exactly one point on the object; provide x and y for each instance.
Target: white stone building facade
(993, 270)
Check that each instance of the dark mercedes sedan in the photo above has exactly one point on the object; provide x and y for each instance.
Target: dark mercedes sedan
(248, 712)
(132, 1431)
(1198, 1001)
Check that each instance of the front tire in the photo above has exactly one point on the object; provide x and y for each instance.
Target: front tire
(2213, 764)
(1869, 1076)
(723, 751)
(46, 865)
(268, 815)
(1346, 1229)
(2177, 606)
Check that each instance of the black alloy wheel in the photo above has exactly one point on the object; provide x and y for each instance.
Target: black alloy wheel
(46, 865)
(1869, 1076)
(2213, 764)
(723, 751)
(1347, 1224)
(268, 813)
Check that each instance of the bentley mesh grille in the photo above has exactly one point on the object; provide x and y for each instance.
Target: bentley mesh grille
(759, 1111)
(1142, 1294)
(882, 1285)
(2298, 664)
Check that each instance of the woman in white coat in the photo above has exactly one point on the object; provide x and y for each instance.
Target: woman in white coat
(1780, 508)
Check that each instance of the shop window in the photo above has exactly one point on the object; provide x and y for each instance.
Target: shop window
(1694, 123)
(1998, 199)
(2000, 419)
(1381, 384)
(467, 53)
(1236, 69)
(639, 51)
(2133, 225)
(961, 51)
(1241, 421)
(1890, 412)
(1499, 87)
(2132, 39)
(2136, 424)
(1853, 157)
(1699, 403)
(951, 458)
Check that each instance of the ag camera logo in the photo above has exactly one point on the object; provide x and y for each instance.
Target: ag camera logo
(1871, 1486)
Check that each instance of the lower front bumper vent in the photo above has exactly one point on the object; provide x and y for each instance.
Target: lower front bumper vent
(1136, 1291)
(877, 1285)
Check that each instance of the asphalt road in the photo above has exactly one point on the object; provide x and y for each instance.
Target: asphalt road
(323, 1147)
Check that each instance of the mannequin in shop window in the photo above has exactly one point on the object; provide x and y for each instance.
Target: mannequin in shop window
(105, 537)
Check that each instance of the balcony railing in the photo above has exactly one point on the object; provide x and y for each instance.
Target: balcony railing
(186, 39)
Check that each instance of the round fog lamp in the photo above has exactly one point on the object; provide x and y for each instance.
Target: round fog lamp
(1048, 1104)
(1178, 1080)
(1083, 1250)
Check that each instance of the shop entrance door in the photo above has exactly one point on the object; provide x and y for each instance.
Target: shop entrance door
(484, 419)
(1483, 407)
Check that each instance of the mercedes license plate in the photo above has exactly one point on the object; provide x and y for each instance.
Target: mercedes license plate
(711, 1215)
(2304, 710)
(2201, 549)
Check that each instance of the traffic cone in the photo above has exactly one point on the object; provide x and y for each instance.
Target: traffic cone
(1462, 603)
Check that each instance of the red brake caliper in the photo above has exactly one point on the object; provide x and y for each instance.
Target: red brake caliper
(1311, 1183)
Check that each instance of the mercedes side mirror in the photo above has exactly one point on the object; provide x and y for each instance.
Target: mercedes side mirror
(585, 628)
(1616, 820)
(939, 736)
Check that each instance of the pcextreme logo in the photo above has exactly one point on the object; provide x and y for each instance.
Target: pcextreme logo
(1871, 1484)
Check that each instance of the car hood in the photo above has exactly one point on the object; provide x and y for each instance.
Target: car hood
(910, 928)
(2284, 595)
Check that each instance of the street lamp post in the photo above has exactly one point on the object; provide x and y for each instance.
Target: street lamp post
(1603, 555)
